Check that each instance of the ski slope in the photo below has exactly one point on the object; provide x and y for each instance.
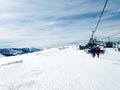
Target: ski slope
(1, 56)
(61, 69)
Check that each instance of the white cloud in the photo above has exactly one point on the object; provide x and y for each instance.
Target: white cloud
(48, 22)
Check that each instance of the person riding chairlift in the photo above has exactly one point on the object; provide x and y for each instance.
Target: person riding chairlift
(95, 50)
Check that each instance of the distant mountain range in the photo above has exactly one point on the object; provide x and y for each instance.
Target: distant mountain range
(17, 51)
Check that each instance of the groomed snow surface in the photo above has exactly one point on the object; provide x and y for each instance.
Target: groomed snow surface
(61, 69)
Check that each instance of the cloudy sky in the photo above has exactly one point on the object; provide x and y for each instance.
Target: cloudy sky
(49, 23)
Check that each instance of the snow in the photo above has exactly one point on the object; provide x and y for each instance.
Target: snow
(61, 69)
(1, 56)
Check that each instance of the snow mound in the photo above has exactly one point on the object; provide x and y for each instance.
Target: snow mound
(1, 56)
(64, 68)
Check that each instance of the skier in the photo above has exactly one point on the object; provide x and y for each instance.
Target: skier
(93, 51)
(97, 50)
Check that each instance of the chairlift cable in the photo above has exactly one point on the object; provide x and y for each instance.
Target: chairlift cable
(114, 28)
(112, 35)
(100, 18)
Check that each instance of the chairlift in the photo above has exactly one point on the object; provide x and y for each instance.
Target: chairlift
(94, 43)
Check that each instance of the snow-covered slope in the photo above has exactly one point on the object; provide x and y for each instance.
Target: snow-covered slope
(1, 56)
(61, 69)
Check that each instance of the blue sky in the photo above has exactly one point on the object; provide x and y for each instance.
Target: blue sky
(49, 23)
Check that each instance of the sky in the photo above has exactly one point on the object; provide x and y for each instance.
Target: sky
(51, 23)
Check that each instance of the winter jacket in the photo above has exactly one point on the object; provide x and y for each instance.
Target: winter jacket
(97, 49)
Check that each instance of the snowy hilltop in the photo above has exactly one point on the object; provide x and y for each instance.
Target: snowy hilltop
(66, 68)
